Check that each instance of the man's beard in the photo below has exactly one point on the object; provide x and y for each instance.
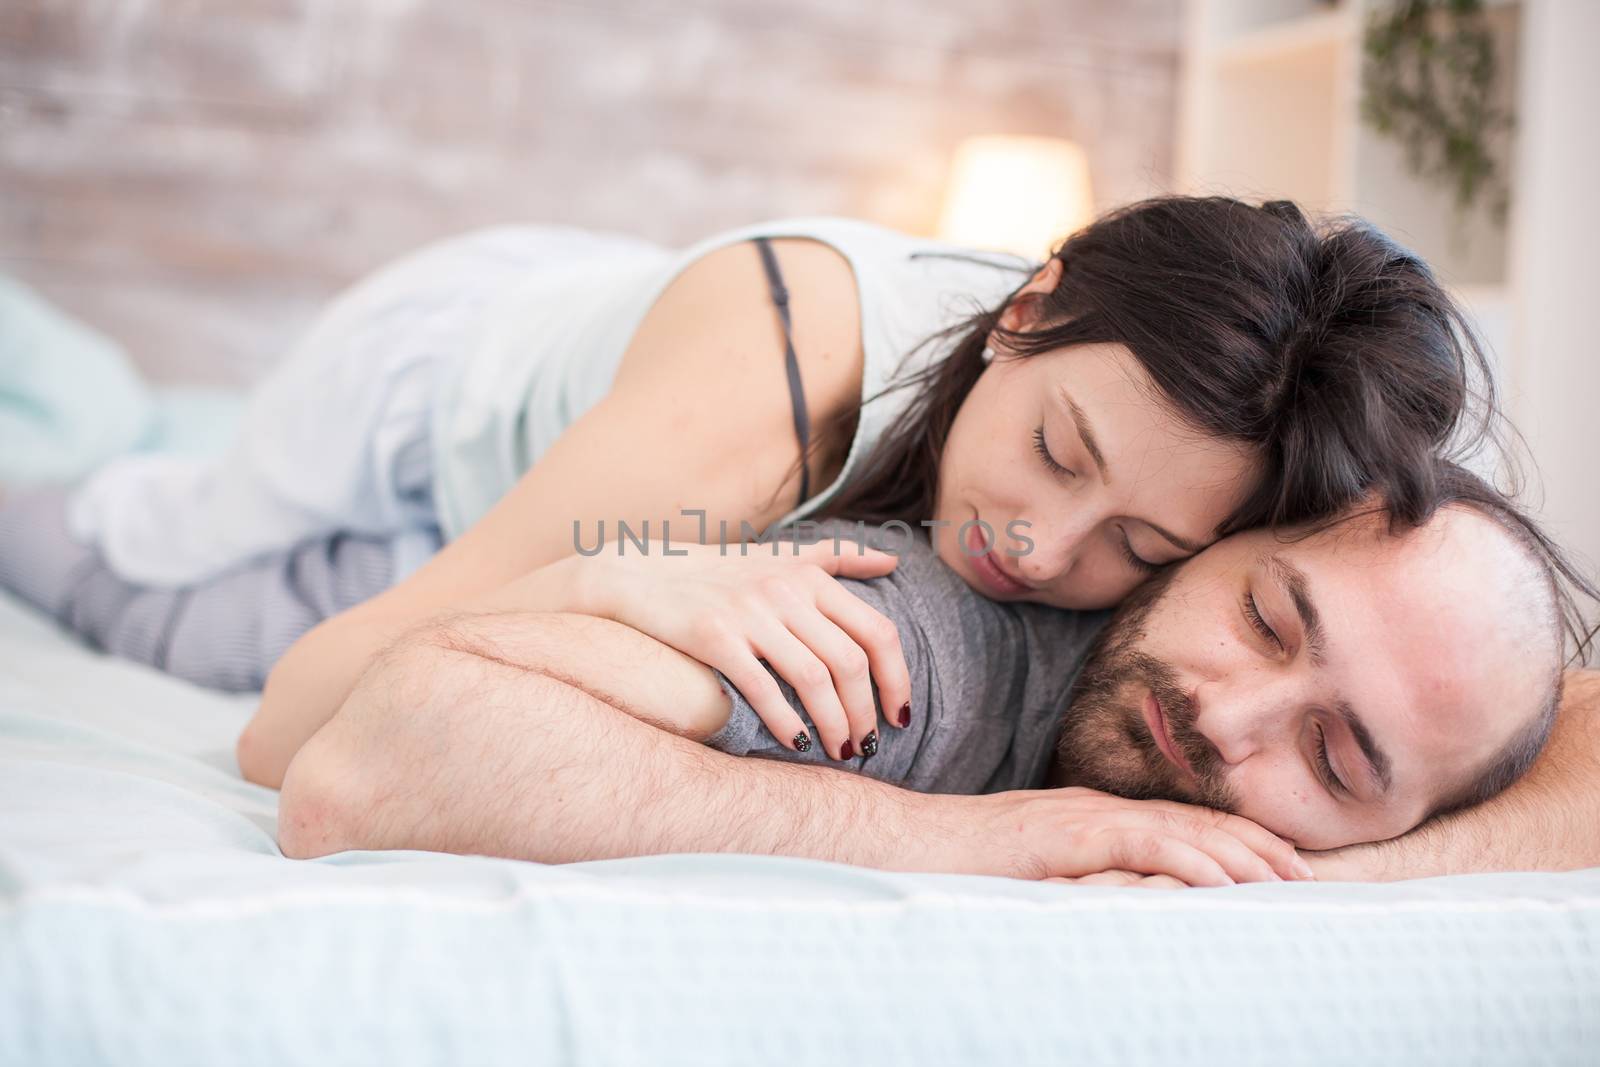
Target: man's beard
(1105, 743)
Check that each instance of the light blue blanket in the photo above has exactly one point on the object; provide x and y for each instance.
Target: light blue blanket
(146, 917)
(70, 398)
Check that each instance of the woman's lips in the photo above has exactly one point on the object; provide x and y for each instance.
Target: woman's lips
(988, 569)
(1155, 718)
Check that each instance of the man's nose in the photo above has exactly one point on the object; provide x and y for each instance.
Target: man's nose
(1240, 716)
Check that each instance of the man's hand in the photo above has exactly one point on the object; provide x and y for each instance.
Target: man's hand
(1126, 879)
(1077, 833)
(1353, 863)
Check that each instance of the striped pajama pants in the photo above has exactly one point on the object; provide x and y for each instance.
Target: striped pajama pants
(225, 632)
(324, 501)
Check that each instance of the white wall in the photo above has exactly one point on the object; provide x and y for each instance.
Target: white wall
(1555, 373)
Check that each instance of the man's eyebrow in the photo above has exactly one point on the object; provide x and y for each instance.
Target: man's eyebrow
(1293, 580)
(1295, 584)
(1377, 762)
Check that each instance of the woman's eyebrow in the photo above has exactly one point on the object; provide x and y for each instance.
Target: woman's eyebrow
(1080, 422)
(1184, 543)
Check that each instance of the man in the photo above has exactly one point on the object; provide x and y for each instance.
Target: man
(1334, 689)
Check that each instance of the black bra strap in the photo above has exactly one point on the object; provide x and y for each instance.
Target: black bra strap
(797, 395)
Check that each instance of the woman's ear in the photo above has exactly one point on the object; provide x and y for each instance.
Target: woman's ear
(1027, 306)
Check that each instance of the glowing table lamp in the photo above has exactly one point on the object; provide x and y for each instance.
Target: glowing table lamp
(1016, 194)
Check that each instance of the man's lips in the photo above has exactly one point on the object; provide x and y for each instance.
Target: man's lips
(1156, 720)
(988, 567)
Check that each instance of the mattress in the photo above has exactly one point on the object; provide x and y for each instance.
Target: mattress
(146, 917)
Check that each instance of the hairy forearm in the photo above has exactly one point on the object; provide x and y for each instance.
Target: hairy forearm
(302, 692)
(442, 748)
(318, 672)
(1548, 821)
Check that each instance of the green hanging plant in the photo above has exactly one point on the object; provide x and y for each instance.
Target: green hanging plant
(1429, 82)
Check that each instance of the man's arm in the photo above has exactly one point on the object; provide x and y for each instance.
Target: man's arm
(486, 734)
(1548, 821)
(462, 738)
(655, 682)
(296, 701)
(691, 389)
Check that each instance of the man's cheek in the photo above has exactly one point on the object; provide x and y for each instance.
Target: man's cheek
(1199, 646)
(1282, 807)
(1196, 611)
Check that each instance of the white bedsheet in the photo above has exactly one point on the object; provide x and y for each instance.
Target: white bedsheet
(147, 917)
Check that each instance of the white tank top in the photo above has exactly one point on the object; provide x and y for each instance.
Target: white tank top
(551, 347)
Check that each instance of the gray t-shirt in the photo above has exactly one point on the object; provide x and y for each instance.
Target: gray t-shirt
(989, 680)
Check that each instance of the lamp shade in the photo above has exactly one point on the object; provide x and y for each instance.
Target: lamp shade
(1016, 194)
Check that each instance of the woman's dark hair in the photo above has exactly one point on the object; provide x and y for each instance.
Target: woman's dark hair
(1333, 354)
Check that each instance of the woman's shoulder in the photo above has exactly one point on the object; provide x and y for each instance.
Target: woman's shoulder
(820, 288)
(856, 260)
(865, 247)
(855, 287)
(903, 285)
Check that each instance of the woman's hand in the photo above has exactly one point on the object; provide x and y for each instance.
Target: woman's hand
(730, 607)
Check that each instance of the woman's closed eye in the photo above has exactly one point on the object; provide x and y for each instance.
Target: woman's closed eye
(1046, 458)
(1133, 559)
(1123, 545)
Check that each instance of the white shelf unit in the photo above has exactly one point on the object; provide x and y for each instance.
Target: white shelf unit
(1271, 108)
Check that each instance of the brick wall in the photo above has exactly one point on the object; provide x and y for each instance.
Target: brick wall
(195, 176)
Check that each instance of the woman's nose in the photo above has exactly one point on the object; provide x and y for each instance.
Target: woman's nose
(1046, 563)
(1056, 546)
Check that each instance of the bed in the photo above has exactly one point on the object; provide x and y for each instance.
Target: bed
(146, 916)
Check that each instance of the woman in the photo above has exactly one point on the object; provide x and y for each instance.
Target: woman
(1181, 368)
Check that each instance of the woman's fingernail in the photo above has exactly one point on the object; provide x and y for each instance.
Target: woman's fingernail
(802, 742)
(847, 750)
(1303, 869)
(905, 714)
(869, 744)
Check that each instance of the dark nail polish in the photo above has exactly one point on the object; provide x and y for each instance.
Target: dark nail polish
(905, 714)
(802, 742)
(869, 744)
(847, 751)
